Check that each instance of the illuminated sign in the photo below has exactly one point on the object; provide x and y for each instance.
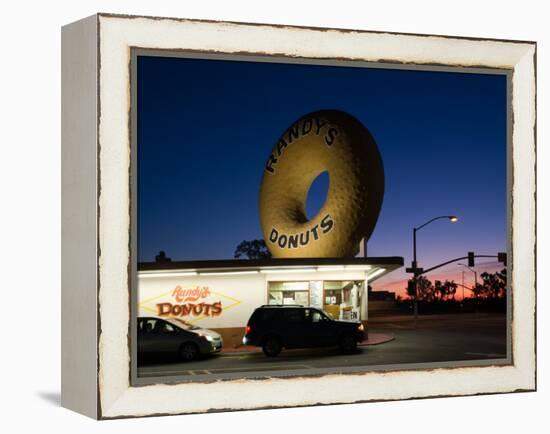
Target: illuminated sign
(208, 309)
(182, 307)
(190, 294)
(328, 141)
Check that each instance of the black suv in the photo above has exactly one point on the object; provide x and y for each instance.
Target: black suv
(274, 327)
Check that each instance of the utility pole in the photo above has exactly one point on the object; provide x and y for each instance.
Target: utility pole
(462, 287)
(417, 271)
(471, 263)
(415, 277)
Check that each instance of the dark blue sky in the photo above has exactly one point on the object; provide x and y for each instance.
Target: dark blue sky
(206, 128)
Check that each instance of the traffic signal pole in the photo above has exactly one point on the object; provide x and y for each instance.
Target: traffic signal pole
(417, 271)
(427, 270)
(415, 279)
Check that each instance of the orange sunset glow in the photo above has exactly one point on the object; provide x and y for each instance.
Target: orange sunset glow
(397, 282)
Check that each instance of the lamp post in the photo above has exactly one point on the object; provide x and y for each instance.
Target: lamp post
(462, 286)
(415, 269)
(472, 270)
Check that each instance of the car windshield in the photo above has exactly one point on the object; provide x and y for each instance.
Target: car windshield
(320, 315)
(326, 315)
(316, 315)
(183, 324)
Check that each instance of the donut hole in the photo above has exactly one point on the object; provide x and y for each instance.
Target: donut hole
(317, 195)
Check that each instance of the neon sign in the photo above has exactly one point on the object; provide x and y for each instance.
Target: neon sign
(182, 307)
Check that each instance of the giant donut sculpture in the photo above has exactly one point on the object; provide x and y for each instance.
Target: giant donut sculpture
(331, 141)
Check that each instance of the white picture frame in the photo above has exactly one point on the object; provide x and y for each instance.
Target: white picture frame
(97, 200)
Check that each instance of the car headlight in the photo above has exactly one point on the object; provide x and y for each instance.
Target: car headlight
(207, 337)
(361, 327)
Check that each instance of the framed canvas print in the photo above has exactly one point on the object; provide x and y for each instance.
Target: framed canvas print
(260, 216)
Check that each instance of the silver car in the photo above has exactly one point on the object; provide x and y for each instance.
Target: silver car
(172, 336)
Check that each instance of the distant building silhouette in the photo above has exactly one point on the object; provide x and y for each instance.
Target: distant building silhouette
(161, 257)
(382, 295)
(382, 303)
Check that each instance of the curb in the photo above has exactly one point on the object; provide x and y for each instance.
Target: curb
(373, 339)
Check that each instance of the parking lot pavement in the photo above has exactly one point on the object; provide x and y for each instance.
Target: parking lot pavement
(431, 340)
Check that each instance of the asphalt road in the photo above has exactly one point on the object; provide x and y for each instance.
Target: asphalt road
(438, 339)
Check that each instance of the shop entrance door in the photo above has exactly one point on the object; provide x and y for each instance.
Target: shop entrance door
(341, 299)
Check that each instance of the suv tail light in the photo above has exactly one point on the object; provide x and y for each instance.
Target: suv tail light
(247, 329)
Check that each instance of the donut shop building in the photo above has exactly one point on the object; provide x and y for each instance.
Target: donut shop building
(221, 295)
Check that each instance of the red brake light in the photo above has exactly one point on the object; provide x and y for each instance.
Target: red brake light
(247, 329)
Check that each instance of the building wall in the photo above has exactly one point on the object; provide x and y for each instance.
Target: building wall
(238, 296)
(223, 303)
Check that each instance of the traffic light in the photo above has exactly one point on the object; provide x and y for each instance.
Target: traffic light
(471, 260)
(502, 257)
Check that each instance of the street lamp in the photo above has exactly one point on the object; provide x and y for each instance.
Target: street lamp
(452, 218)
(417, 271)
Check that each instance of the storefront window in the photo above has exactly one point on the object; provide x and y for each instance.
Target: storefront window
(289, 293)
(341, 299)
